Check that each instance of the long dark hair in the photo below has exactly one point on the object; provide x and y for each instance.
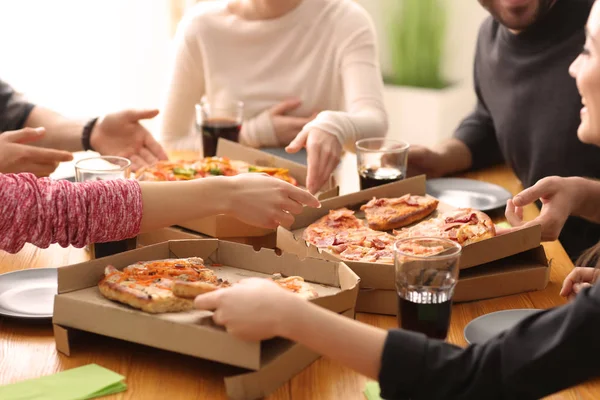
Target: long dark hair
(590, 258)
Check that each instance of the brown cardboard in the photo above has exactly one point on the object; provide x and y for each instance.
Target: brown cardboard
(524, 272)
(223, 226)
(248, 385)
(80, 305)
(177, 233)
(166, 234)
(375, 276)
(258, 384)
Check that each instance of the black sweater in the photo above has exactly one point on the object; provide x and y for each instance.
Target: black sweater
(14, 110)
(528, 106)
(547, 352)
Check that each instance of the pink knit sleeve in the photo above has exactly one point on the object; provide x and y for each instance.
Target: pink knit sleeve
(44, 211)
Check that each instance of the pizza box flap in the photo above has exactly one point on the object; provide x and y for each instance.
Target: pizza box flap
(191, 332)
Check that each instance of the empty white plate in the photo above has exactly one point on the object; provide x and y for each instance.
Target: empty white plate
(483, 328)
(28, 293)
(468, 193)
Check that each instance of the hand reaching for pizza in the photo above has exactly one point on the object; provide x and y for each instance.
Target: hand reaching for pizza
(577, 280)
(323, 150)
(265, 201)
(253, 309)
(558, 196)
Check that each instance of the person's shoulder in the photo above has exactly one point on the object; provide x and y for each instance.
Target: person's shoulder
(202, 13)
(347, 15)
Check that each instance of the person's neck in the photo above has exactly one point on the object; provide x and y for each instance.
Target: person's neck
(262, 9)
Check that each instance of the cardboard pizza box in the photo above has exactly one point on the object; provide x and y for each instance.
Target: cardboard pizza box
(178, 233)
(277, 369)
(222, 226)
(376, 276)
(525, 272)
(79, 306)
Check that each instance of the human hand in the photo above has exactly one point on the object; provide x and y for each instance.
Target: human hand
(287, 127)
(16, 156)
(253, 309)
(577, 280)
(121, 134)
(423, 160)
(557, 196)
(323, 151)
(264, 201)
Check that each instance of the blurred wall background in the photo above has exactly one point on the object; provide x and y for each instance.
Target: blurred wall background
(86, 57)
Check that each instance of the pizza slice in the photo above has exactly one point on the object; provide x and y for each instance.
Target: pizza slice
(148, 285)
(322, 233)
(390, 213)
(210, 166)
(297, 285)
(464, 226)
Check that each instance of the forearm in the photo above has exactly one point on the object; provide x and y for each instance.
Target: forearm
(61, 132)
(586, 195)
(454, 156)
(351, 343)
(259, 132)
(168, 203)
(526, 362)
(349, 127)
(44, 211)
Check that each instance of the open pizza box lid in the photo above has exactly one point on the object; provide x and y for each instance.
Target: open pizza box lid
(79, 304)
(222, 226)
(381, 276)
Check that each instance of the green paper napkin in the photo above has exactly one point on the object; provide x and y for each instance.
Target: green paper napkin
(87, 382)
(372, 391)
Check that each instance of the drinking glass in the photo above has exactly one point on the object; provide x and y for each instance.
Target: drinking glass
(218, 120)
(426, 275)
(100, 169)
(381, 161)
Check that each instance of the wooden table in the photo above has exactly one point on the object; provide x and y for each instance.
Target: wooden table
(27, 349)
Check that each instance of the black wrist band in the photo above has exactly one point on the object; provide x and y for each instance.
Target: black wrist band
(87, 133)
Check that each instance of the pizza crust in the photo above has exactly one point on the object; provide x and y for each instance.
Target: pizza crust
(154, 300)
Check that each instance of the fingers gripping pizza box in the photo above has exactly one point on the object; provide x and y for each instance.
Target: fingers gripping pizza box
(502, 255)
(222, 226)
(81, 306)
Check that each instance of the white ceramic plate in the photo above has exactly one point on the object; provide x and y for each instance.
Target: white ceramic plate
(28, 293)
(468, 193)
(483, 328)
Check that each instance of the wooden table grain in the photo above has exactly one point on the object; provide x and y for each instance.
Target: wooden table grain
(27, 348)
